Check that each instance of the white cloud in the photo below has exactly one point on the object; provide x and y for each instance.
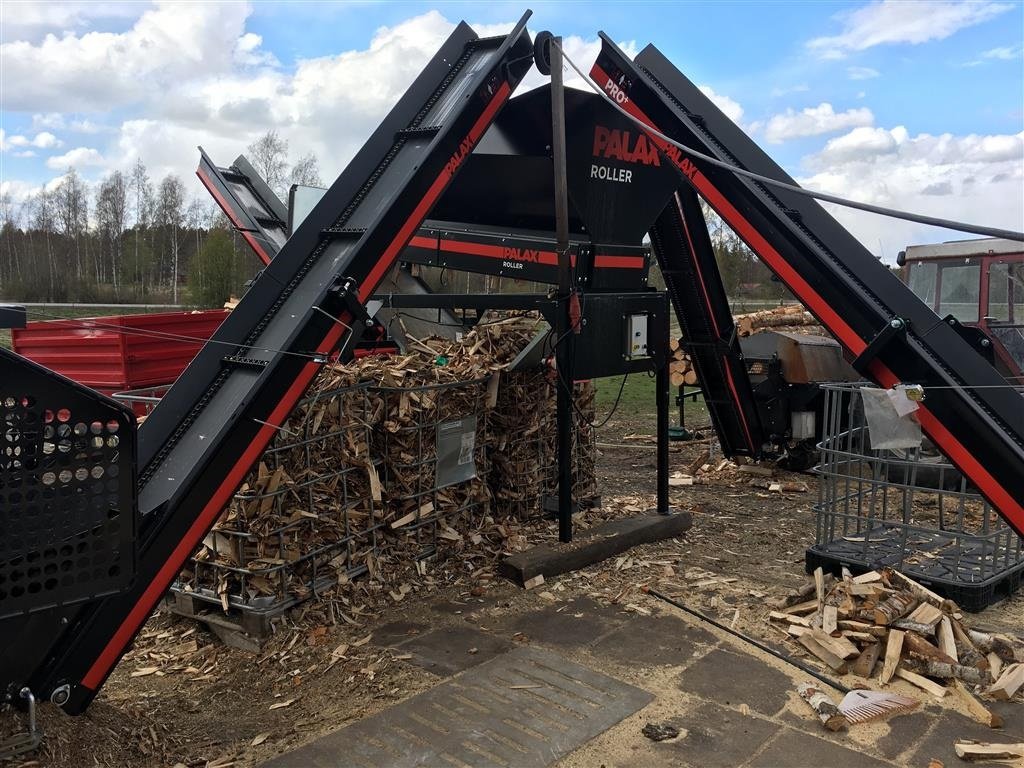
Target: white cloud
(798, 88)
(248, 53)
(25, 153)
(37, 17)
(18, 190)
(730, 107)
(96, 71)
(885, 22)
(861, 73)
(51, 120)
(85, 126)
(315, 108)
(972, 178)
(814, 121)
(76, 158)
(1007, 53)
(43, 140)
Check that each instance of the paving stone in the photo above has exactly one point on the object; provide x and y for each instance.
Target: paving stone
(460, 607)
(794, 749)
(663, 640)
(735, 679)
(715, 737)
(503, 713)
(904, 732)
(1012, 713)
(576, 623)
(397, 632)
(447, 651)
(950, 727)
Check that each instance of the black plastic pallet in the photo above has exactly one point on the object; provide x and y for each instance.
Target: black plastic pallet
(971, 597)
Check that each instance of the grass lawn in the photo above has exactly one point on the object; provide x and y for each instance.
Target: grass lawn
(638, 400)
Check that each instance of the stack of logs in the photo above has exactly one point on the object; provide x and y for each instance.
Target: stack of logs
(680, 366)
(349, 484)
(883, 624)
(308, 498)
(790, 317)
(524, 443)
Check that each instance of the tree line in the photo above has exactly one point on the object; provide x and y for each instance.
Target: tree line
(130, 238)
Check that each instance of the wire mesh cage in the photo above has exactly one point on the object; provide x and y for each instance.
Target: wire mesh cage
(432, 440)
(907, 509)
(305, 517)
(524, 451)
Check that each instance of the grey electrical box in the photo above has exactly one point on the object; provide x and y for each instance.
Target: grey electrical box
(636, 336)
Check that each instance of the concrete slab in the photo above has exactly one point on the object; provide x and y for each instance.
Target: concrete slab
(654, 640)
(736, 679)
(397, 632)
(948, 728)
(1012, 713)
(715, 737)
(794, 749)
(453, 649)
(459, 607)
(573, 624)
(904, 732)
(527, 708)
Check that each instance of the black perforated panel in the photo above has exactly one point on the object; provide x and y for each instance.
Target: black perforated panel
(67, 490)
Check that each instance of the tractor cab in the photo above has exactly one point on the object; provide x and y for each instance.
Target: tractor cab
(981, 284)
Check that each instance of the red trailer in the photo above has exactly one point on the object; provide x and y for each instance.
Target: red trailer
(119, 352)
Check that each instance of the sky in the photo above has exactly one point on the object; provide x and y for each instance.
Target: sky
(916, 105)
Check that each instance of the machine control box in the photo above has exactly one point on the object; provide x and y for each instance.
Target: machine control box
(636, 336)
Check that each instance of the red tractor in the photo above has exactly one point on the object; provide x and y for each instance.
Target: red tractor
(981, 284)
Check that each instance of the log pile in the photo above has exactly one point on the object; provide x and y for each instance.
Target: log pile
(884, 625)
(350, 484)
(584, 486)
(524, 444)
(310, 493)
(790, 317)
(680, 367)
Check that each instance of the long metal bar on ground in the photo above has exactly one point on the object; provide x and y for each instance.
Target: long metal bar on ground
(971, 413)
(215, 421)
(750, 641)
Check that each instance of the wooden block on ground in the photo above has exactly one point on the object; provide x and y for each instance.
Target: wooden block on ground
(1009, 682)
(864, 664)
(920, 648)
(834, 663)
(809, 606)
(921, 682)
(995, 666)
(893, 649)
(829, 619)
(593, 545)
(840, 646)
(975, 708)
(973, 750)
(947, 644)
